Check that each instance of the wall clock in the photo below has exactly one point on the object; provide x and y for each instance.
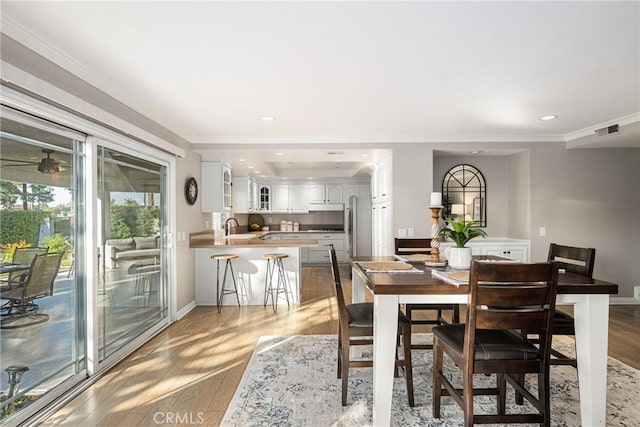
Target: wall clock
(191, 190)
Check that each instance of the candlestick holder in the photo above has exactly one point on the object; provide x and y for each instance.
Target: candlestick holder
(436, 260)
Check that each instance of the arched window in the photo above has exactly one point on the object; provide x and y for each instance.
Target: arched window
(464, 194)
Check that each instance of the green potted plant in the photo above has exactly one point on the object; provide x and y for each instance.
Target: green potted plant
(460, 232)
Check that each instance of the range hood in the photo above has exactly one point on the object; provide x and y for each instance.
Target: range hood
(315, 207)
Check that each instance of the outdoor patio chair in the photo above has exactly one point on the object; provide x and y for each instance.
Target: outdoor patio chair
(36, 283)
(22, 256)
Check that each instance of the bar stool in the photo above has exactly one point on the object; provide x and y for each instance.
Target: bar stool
(221, 292)
(274, 261)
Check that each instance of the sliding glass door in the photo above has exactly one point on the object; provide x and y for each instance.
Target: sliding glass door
(42, 314)
(132, 294)
(99, 200)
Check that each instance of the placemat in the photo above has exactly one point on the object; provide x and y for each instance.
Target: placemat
(386, 265)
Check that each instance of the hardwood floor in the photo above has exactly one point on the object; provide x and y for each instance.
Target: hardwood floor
(189, 372)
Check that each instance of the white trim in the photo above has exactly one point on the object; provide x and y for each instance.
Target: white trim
(623, 301)
(589, 131)
(32, 84)
(186, 309)
(376, 139)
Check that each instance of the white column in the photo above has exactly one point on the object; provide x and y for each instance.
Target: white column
(385, 327)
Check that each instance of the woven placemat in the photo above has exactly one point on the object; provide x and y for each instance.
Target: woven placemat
(417, 257)
(459, 275)
(386, 265)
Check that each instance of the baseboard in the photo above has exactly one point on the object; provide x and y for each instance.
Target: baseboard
(623, 301)
(185, 310)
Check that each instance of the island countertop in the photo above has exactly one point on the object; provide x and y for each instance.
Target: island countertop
(209, 239)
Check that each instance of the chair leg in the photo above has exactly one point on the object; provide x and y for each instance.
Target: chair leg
(339, 351)
(467, 396)
(502, 391)
(456, 314)
(408, 364)
(345, 369)
(437, 370)
(233, 277)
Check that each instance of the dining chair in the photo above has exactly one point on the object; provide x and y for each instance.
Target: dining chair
(503, 297)
(23, 256)
(355, 327)
(574, 260)
(36, 283)
(413, 246)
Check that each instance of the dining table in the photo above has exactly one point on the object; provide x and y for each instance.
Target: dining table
(589, 298)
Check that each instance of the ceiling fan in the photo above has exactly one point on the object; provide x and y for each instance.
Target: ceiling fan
(47, 165)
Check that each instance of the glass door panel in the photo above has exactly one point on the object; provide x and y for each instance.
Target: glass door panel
(132, 294)
(41, 338)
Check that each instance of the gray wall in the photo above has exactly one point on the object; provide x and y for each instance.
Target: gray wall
(583, 197)
(590, 198)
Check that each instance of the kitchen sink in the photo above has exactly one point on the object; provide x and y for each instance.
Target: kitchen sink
(240, 236)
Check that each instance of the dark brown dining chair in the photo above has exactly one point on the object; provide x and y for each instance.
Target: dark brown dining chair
(412, 246)
(574, 260)
(355, 327)
(504, 297)
(36, 283)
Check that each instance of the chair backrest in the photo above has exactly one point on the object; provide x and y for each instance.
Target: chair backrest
(343, 315)
(42, 275)
(512, 296)
(407, 246)
(26, 255)
(573, 259)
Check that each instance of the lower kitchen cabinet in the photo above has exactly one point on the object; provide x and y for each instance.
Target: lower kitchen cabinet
(515, 249)
(320, 254)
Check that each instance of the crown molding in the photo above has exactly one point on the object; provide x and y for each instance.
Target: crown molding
(589, 131)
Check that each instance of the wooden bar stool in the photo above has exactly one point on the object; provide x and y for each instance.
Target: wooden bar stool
(222, 291)
(274, 261)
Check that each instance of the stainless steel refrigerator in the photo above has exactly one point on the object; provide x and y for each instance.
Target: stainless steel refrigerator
(359, 226)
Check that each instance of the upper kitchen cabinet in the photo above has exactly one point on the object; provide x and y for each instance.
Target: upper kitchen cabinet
(280, 198)
(325, 193)
(245, 194)
(264, 198)
(216, 187)
(299, 198)
(292, 198)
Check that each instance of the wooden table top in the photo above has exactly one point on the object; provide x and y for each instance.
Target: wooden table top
(426, 284)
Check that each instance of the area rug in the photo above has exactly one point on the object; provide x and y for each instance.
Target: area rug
(291, 381)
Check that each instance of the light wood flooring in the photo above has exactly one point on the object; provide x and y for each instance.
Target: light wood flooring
(189, 372)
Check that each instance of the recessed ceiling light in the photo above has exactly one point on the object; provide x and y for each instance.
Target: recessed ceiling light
(250, 167)
(475, 152)
(257, 172)
(310, 177)
(267, 118)
(551, 117)
(242, 160)
(278, 154)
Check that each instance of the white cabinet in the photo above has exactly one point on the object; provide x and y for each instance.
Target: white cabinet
(264, 198)
(320, 254)
(517, 253)
(244, 194)
(216, 187)
(381, 182)
(298, 198)
(516, 249)
(292, 198)
(325, 193)
(382, 244)
(280, 198)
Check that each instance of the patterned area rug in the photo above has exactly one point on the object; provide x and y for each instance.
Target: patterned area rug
(291, 381)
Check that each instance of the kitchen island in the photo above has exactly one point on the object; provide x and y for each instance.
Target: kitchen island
(250, 268)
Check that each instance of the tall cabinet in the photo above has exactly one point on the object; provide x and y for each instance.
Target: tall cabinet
(381, 230)
(216, 185)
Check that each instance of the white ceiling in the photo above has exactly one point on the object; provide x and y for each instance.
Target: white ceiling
(344, 72)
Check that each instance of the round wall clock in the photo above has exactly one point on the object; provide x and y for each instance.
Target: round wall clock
(191, 190)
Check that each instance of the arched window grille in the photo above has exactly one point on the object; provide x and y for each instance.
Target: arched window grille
(464, 194)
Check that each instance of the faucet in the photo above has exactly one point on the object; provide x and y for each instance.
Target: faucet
(226, 225)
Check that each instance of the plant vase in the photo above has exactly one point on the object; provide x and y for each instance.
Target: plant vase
(458, 257)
